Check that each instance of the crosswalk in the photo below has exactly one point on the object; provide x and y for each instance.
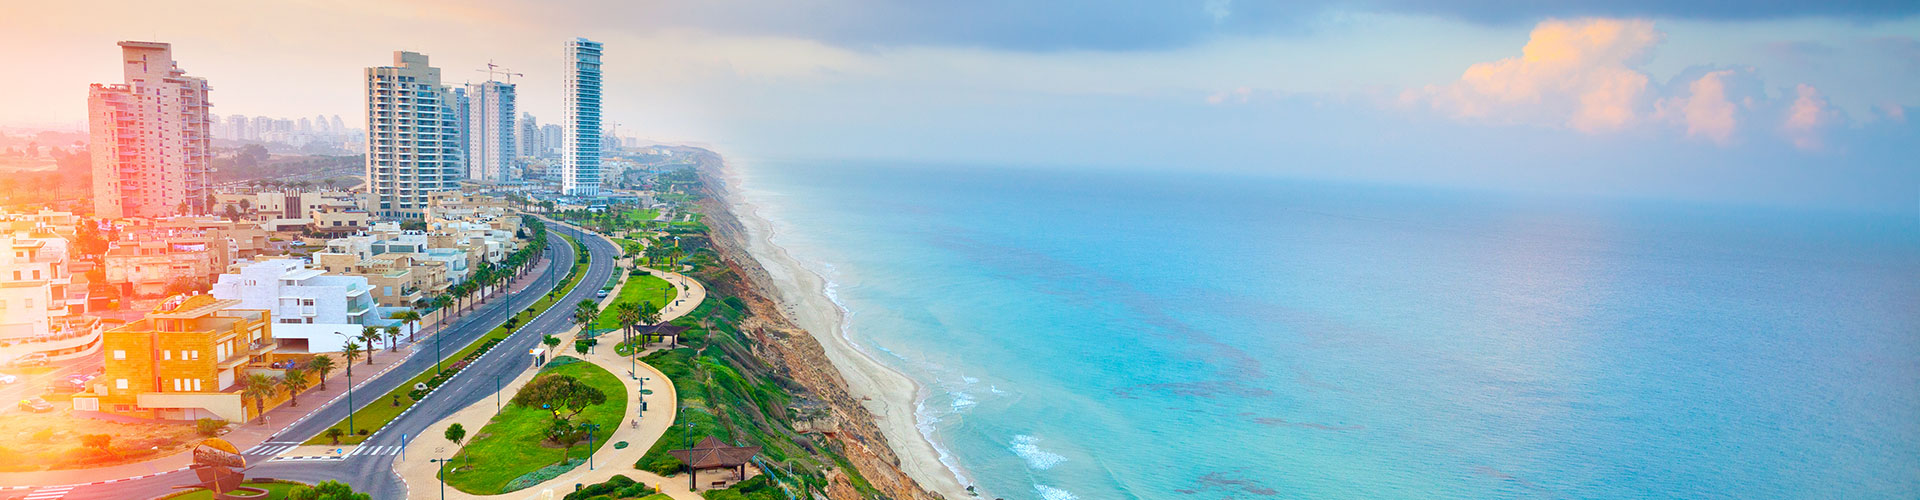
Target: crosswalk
(49, 493)
(375, 450)
(270, 449)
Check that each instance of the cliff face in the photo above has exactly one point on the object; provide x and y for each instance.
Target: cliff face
(793, 354)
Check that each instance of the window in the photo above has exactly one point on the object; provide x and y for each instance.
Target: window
(119, 354)
(196, 385)
(166, 355)
(120, 383)
(29, 303)
(36, 274)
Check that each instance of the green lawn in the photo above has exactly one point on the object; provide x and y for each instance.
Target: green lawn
(376, 415)
(276, 491)
(642, 215)
(639, 287)
(512, 443)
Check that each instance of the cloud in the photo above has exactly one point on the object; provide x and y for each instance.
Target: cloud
(1579, 74)
(1707, 112)
(1506, 12)
(1807, 117)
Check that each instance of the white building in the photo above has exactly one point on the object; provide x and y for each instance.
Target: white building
(150, 137)
(312, 311)
(413, 136)
(490, 131)
(580, 148)
(37, 313)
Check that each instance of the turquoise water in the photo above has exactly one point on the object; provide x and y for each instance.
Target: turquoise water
(1100, 335)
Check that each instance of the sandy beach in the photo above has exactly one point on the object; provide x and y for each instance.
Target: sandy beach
(891, 396)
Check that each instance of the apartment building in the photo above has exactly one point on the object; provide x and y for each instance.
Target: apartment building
(490, 131)
(185, 361)
(40, 305)
(580, 148)
(313, 310)
(413, 136)
(150, 142)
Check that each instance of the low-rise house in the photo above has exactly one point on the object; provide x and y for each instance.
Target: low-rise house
(313, 311)
(187, 360)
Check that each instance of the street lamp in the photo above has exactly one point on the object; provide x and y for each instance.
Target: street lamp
(442, 474)
(350, 428)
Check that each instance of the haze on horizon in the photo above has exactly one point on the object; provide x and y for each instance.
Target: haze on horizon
(1802, 104)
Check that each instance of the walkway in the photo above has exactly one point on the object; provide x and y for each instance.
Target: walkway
(421, 475)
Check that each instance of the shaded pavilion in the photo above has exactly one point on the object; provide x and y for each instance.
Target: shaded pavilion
(664, 331)
(711, 454)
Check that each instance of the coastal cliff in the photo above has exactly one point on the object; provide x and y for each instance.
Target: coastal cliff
(790, 353)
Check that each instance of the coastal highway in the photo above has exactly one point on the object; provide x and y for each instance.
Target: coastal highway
(369, 468)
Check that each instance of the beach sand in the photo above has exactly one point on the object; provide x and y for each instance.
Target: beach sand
(891, 396)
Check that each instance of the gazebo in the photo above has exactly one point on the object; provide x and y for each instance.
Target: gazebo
(663, 331)
(711, 454)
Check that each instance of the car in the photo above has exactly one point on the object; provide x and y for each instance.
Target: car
(35, 359)
(36, 405)
(602, 293)
(8, 379)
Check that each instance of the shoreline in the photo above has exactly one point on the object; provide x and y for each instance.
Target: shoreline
(892, 399)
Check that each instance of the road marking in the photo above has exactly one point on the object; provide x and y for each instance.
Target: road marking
(50, 493)
(269, 449)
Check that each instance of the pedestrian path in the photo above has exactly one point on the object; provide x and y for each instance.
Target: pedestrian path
(375, 450)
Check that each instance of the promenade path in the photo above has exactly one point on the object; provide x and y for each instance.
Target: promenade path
(420, 474)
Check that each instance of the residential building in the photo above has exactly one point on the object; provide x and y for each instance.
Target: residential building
(335, 221)
(151, 146)
(40, 305)
(529, 141)
(413, 136)
(157, 267)
(185, 361)
(580, 173)
(490, 131)
(313, 311)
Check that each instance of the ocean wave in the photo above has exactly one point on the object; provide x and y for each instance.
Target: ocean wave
(1052, 493)
(961, 401)
(1027, 448)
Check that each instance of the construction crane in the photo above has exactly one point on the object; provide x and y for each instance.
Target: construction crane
(495, 69)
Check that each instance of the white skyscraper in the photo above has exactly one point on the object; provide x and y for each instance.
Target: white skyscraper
(490, 131)
(580, 148)
(151, 140)
(413, 136)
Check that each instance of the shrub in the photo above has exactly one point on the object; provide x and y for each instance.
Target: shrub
(209, 427)
(541, 475)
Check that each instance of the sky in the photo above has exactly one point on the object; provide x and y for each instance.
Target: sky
(1785, 103)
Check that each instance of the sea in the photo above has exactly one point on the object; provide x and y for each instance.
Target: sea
(1094, 334)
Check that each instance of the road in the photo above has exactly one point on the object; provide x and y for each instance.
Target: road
(370, 468)
(36, 384)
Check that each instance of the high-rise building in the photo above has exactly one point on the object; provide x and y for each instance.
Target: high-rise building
(339, 127)
(490, 131)
(580, 148)
(413, 133)
(550, 137)
(260, 128)
(530, 140)
(237, 127)
(151, 144)
(462, 108)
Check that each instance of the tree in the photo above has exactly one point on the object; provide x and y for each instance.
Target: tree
(558, 393)
(411, 319)
(293, 382)
(351, 351)
(628, 315)
(584, 313)
(393, 337)
(258, 388)
(455, 433)
(551, 342)
(565, 434)
(370, 336)
(322, 365)
(103, 442)
(334, 433)
(328, 490)
(583, 346)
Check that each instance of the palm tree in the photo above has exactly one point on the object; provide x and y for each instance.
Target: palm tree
(441, 303)
(584, 314)
(351, 351)
(393, 338)
(294, 381)
(409, 318)
(322, 365)
(649, 315)
(258, 387)
(370, 336)
(628, 315)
